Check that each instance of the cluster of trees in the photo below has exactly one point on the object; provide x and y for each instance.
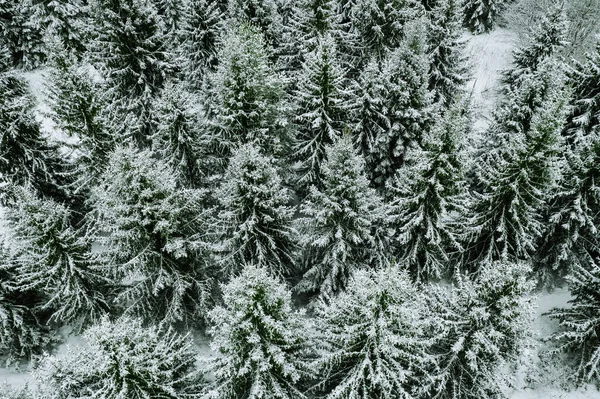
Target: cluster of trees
(230, 160)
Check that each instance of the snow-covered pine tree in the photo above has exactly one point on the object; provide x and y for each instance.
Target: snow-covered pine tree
(477, 329)
(245, 99)
(577, 337)
(124, 359)
(408, 105)
(480, 15)
(321, 108)
(255, 221)
(570, 238)
(262, 342)
(371, 338)
(26, 157)
(545, 41)
(171, 12)
(177, 139)
(52, 259)
(504, 220)
(448, 65)
(77, 110)
(20, 33)
(427, 193)
(203, 23)
(380, 24)
(129, 48)
(584, 118)
(262, 14)
(150, 232)
(338, 228)
(369, 113)
(22, 330)
(313, 19)
(63, 21)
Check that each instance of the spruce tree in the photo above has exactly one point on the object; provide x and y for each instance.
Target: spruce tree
(428, 193)
(371, 338)
(21, 34)
(177, 136)
(480, 16)
(264, 15)
(124, 359)
(408, 105)
(27, 157)
(54, 260)
(570, 238)
(262, 342)
(64, 21)
(584, 117)
(504, 220)
(545, 41)
(380, 24)
(321, 110)
(150, 231)
(448, 70)
(478, 328)
(245, 99)
(313, 19)
(339, 223)
(577, 337)
(199, 34)
(23, 332)
(77, 108)
(255, 221)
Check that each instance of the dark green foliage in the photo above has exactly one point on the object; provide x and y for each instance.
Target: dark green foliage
(570, 240)
(262, 342)
(579, 323)
(254, 225)
(477, 328)
(584, 118)
(151, 235)
(20, 32)
(26, 157)
(52, 260)
(427, 193)
(124, 359)
(480, 16)
(344, 223)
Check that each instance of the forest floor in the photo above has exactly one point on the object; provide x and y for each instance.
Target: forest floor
(489, 54)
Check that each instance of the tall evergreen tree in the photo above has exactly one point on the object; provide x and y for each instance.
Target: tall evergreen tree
(545, 41)
(584, 117)
(321, 108)
(478, 328)
(262, 14)
(77, 108)
(504, 219)
(124, 359)
(245, 99)
(201, 27)
(177, 136)
(63, 21)
(570, 239)
(448, 65)
(372, 338)
(408, 105)
(427, 193)
(23, 332)
(339, 223)
(261, 340)
(480, 16)
(150, 230)
(380, 24)
(54, 260)
(129, 47)
(255, 223)
(21, 34)
(26, 157)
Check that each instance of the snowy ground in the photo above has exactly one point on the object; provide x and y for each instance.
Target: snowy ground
(490, 54)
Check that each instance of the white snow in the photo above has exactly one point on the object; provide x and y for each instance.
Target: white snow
(489, 54)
